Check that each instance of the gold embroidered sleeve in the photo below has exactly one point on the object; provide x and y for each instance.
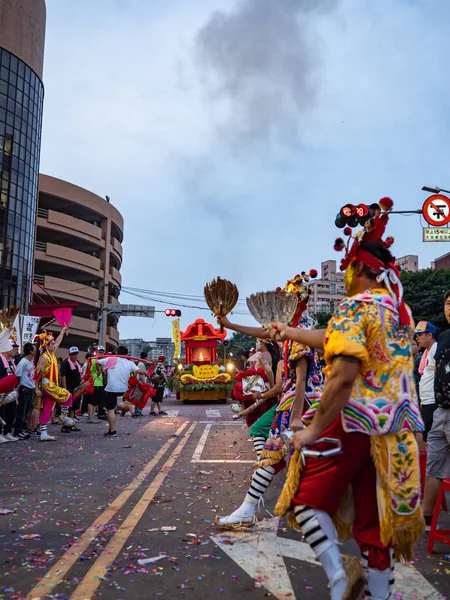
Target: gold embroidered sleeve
(347, 333)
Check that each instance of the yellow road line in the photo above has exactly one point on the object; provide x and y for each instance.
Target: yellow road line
(54, 576)
(93, 578)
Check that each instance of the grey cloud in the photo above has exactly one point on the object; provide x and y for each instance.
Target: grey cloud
(261, 58)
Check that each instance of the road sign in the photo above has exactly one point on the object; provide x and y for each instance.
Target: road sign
(436, 234)
(436, 210)
(131, 310)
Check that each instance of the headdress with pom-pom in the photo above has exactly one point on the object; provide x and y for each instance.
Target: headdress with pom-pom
(43, 339)
(297, 287)
(373, 231)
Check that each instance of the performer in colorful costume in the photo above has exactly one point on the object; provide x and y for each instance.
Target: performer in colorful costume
(267, 353)
(369, 403)
(302, 381)
(47, 380)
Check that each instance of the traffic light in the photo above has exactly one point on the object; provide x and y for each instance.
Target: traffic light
(172, 312)
(352, 216)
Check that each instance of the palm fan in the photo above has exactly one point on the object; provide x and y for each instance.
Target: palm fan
(8, 316)
(270, 307)
(221, 296)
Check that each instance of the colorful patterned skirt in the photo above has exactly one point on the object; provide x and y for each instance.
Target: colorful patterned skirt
(273, 452)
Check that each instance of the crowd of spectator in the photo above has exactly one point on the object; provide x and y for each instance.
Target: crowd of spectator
(97, 387)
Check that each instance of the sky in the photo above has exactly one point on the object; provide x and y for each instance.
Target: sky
(229, 133)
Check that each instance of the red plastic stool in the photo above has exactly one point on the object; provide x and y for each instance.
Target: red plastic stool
(439, 535)
(423, 454)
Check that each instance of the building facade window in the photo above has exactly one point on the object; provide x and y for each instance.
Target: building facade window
(21, 102)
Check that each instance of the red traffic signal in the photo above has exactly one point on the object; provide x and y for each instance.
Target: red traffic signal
(172, 312)
(354, 215)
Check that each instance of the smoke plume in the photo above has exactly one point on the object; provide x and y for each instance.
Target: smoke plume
(260, 63)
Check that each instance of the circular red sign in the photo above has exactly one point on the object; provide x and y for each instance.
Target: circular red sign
(436, 210)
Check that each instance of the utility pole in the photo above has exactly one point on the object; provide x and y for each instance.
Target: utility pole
(123, 310)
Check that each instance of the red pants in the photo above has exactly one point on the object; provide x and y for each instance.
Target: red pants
(324, 481)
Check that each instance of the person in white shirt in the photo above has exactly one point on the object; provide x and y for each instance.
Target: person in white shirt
(27, 385)
(118, 371)
(426, 338)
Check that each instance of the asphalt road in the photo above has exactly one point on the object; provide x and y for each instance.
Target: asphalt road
(86, 509)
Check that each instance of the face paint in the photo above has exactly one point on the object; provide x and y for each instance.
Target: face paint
(348, 278)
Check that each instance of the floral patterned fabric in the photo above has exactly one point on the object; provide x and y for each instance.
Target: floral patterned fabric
(384, 398)
(273, 450)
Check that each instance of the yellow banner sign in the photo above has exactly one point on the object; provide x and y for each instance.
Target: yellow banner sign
(200, 338)
(176, 338)
(205, 371)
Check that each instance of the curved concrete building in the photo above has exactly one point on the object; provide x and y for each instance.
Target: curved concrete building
(22, 36)
(78, 258)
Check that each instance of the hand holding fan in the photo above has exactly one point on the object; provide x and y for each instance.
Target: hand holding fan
(221, 296)
(269, 307)
(63, 316)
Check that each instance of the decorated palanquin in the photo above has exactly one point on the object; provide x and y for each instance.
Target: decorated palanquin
(201, 379)
(200, 342)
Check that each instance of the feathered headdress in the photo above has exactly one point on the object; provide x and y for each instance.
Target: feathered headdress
(373, 231)
(297, 287)
(43, 339)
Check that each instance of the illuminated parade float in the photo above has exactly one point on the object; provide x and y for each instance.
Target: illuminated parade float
(202, 378)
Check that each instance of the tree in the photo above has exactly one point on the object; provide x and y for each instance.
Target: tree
(322, 319)
(237, 344)
(424, 292)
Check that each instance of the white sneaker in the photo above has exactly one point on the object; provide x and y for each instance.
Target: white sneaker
(44, 437)
(3, 440)
(11, 438)
(65, 420)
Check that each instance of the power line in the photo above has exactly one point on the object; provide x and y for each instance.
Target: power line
(144, 296)
(187, 297)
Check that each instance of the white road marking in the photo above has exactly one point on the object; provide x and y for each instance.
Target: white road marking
(261, 550)
(197, 456)
(201, 444)
(218, 460)
(257, 553)
(223, 423)
(173, 413)
(211, 413)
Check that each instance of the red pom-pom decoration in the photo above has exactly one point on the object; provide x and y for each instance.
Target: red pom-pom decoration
(313, 273)
(386, 204)
(339, 244)
(389, 241)
(348, 231)
(278, 289)
(297, 276)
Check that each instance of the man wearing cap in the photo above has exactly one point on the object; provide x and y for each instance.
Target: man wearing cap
(438, 460)
(70, 380)
(16, 354)
(426, 338)
(8, 384)
(96, 373)
(159, 381)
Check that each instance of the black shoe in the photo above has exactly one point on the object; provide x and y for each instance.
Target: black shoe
(66, 429)
(111, 434)
(74, 428)
(161, 412)
(23, 435)
(153, 413)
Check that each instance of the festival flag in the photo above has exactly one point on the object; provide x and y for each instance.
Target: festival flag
(176, 338)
